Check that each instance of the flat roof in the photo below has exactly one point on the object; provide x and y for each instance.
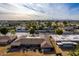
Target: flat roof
(66, 37)
(62, 43)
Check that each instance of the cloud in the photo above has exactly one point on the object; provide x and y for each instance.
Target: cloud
(39, 11)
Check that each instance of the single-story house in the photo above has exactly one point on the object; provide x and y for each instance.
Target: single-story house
(66, 38)
(69, 28)
(20, 29)
(32, 43)
(5, 40)
(67, 45)
(46, 47)
(66, 41)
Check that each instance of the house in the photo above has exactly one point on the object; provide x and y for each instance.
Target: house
(69, 28)
(46, 47)
(66, 41)
(67, 45)
(5, 40)
(20, 29)
(76, 27)
(66, 38)
(32, 44)
(74, 38)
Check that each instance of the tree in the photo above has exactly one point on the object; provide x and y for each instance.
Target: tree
(59, 31)
(55, 26)
(41, 27)
(12, 31)
(32, 30)
(65, 23)
(49, 24)
(75, 51)
(34, 26)
(4, 31)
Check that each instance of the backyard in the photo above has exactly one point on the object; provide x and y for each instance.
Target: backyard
(3, 52)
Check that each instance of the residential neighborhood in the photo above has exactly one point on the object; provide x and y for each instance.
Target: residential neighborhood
(39, 29)
(35, 36)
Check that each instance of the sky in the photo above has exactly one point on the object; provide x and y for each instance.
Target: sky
(39, 11)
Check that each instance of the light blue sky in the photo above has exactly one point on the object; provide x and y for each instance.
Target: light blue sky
(39, 11)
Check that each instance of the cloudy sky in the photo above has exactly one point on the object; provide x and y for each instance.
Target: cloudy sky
(39, 11)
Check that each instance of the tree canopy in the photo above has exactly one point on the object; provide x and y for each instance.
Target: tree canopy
(32, 30)
(4, 30)
(59, 31)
